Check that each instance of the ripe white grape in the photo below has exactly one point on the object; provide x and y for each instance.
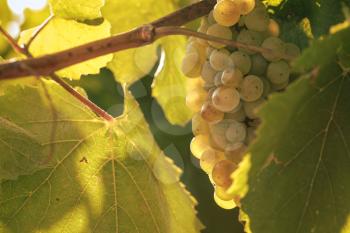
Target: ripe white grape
(217, 135)
(222, 173)
(209, 158)
(227, 205)
(276, 45)
(199, 125)
(210, 114)
(291, 50)
(195, 99)
(191, 65)
(217, 79)
(257, 20)
(273, 28)
(222, 194)
(208, 73)
(227, 13)
(259, 65)
(232, 77)
(241, 61)
(250, 108)
(278, 72)
(236, 132)
(250, 38)
(252, 88)
(225, 99)
(238, 115)
(246, 6)
(219, 31)
(197, 47)
(199, 144)
(235, 152)
(220, 60)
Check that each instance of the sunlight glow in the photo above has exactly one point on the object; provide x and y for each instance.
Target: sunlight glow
(18, 6)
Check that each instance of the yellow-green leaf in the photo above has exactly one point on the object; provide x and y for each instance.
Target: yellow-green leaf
(61, 34)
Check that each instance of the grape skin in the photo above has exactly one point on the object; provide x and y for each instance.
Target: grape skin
(222, 173)
(199, 144)
(209, 158)
(227, 13)
(225, 99)
(250, 38)
(276, 45)
(210, 114)
(257, 20)
(221, 32)
(236, 132)
(252, 88)
(278, 72)
(191, 65)
(241, 61)
(232, 77)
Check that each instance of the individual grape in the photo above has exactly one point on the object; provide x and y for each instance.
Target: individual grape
(228, 205)
(217, 135)
(279, 87)
(220, 60)
(276, 46)
(209, 158)
(250, 38)
(194, 84)
(278, 72)
(252, 88)
(226, 13)
(291, 50)
(200, 49)
(209, 50)
(210, 114)
(232, 77)
(259, 65)
(225, 99)
(222, 194)
(236, 132)
(199, 125)
(257, 20)
(246, 6)
(235, 152)
(221, 32)
(199, 144)
(217, 79)
(222, 173)
(250, 108)
(273, 28)
(241, 61)
(195, 99)
(203, 29)
(208, 73)
(191, 65)
(238, 115)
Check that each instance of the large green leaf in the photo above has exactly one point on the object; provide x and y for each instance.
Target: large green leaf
(103, 177)
(61, 34)
(5, 18)
(77, 9)
(20, 152)
(298, 179)
(131, 65)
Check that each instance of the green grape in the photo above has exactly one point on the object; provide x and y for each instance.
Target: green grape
(191, 65)
(210, 114)
(222, 194)
(199, 144)
(225, 99)
(246, 6)
(259, 65)
(227, 205)
(217, 79)
(257, 20)
(276, 45)
(250, 108)
(196, 47)
(250, 38)
(236, 132)
(252, 88)
(237, 115)
(208, 73)
(235, 152)
(209, 158)
(227, 13)
(291, 50)
(195, 99)
(278, 72)
(232, 77)
(199, 126)
(241, 61)
(222, 171)
(220, 60)
(217, 135)
(219, 31)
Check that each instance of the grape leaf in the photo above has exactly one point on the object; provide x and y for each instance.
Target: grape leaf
(5, 18)
(129, 66)
(103, 177)
(299, 175)
(77, 9)
(61, 34)
(20, 152)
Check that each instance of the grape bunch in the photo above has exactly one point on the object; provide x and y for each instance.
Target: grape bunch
(227, 86)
